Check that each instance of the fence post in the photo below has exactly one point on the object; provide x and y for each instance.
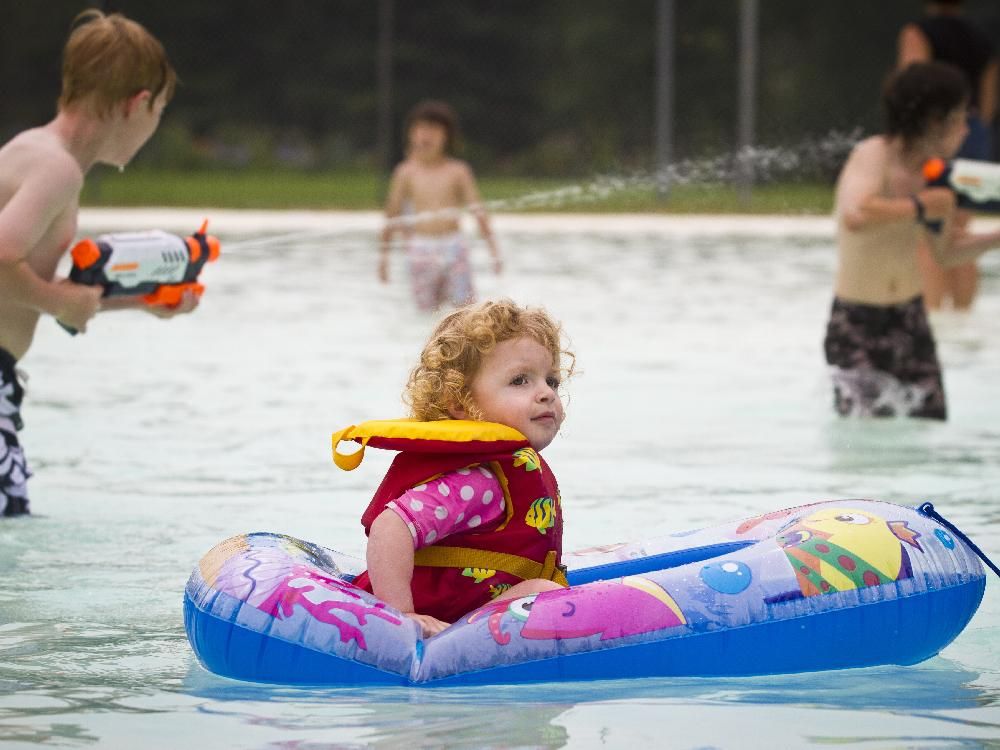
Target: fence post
(664, 115)
(747, 97)
(383, 85)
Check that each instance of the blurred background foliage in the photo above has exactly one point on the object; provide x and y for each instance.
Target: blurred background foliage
(545, 89)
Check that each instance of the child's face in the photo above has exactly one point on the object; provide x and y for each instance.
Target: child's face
(137, 127)
(517, 385)
(950, 133)
(427, 139)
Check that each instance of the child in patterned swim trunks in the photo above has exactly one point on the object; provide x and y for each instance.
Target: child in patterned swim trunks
(883, 360)
(879, 345)
(436, 187)
(439, 271)
(497, 363)
(116, 80)
(13, 468)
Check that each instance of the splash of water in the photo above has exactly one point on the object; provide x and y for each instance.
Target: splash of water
(754, 164)
(758, 164)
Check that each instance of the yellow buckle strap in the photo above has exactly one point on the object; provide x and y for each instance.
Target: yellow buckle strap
(551, 571)
(516, 565)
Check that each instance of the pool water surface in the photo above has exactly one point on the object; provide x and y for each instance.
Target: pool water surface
(701, 396)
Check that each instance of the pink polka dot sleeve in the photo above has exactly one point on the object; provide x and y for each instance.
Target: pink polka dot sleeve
(458, 501)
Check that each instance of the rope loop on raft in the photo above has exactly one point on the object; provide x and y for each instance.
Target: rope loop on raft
(927, 509)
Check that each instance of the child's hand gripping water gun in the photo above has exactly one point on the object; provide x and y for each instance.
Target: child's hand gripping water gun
(158, 266)
(976, 183)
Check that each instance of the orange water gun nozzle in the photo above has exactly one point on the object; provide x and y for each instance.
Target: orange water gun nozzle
(214, 247)
(212, 243)
(933, 169)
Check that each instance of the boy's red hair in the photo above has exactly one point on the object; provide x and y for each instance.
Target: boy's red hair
(109, 58)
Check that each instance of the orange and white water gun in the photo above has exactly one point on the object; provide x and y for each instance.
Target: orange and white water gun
(976, 183)
(155, 265)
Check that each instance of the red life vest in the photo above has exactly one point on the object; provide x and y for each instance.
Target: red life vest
(469, 568)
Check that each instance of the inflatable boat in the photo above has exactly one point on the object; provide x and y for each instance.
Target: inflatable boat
(829, 585)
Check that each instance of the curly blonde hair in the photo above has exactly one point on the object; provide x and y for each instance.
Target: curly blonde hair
(453, 355)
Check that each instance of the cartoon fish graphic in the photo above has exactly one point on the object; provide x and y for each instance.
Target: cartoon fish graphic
(479, 574)
(541, 515)
(527, 458)
(495, 591)
(838, 549)
(613, 609)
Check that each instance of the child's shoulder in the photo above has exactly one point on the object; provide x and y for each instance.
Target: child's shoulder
(867, 156)
(458, 165)
(403, 168)
(39, 152)
(873, 145)
(463, 484)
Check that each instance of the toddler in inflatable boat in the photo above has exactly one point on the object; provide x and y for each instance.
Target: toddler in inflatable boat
(469, 511)
(466, 529)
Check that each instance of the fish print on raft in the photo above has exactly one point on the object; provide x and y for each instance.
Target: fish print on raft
(829, 550)
(612, 609)
(839, 549)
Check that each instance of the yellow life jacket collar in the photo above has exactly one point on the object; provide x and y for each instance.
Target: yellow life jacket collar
(439, 436)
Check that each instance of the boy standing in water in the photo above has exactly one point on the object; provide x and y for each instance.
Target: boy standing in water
(116, 81)
(436, 186)
(878, 344)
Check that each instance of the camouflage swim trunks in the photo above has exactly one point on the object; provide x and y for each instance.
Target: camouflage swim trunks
(13, 467)
(883, 361)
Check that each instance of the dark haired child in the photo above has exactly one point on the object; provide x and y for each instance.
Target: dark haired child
(434, 187)
(879, 346)
(944, 33)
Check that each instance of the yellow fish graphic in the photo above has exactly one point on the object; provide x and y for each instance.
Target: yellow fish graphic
(527, 458)
(479, 574)
(495, 591)
(541, 515)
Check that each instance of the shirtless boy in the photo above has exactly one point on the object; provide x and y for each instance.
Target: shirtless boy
(116, 81)
(434, 186)
(878, 343)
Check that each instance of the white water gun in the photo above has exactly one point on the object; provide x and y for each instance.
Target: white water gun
(976, 183)
(157, 266)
